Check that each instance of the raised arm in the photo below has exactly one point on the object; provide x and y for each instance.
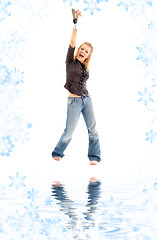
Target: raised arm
(73, 38)
(74, 31)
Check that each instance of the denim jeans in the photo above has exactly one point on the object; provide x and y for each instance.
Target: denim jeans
(76, 106)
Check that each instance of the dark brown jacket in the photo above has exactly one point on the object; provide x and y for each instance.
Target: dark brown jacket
(76, 75)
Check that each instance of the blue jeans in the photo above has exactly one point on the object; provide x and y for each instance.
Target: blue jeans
(76, 106)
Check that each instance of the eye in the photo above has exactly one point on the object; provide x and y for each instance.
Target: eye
(87, 52)
(82, 48)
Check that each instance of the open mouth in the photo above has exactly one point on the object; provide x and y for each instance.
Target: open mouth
(81, 55)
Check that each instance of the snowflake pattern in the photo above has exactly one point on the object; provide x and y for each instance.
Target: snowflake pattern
(16, 131)
(137, 7)
(17, 182)
(126, 4)
(154, 82)
(14, 44)
(151, 136)
(150, 25)
(48, 226)
(148, 52)
(142, 55)
(12, 77)
(145, 96)
(16, 76)
(112, 208)
(48, 201)
(27, 219)
(31, 211)
(4, 4)
(5, 75)
(6, 146)
(71, 1)
(29, 125)
(12, 127)
(32, 194)
(91, 6)
(15, 221)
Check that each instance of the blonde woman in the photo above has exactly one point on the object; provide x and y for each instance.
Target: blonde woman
(79, 100)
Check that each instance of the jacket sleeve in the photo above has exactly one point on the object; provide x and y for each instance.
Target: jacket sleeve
(70, 54)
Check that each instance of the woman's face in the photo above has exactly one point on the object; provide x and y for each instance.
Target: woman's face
(83, 53)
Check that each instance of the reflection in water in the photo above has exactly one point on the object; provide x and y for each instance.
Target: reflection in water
(108, 210)
(106, 214)
(67, 206)
(94, 192)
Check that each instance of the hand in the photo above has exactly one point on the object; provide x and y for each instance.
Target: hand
(78, 13)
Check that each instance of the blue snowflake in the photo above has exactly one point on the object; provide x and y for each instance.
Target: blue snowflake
(139, 5)
(150, 25)
(145, 97)
(149, 3)
(16, 76)
(6, 146)
(154, 82)
(91, 6)
(5, 75)
(31, 212)
(16, 38)
(151, 136)
(23, 224)
(32, 194)
(3, 9)
(15, 221)
(14, 46)
(142, 56)
(71, 1)
(48, 201)
(29, 125)
(48, 225)
(126, 4)
(112, 208)
(17, 182)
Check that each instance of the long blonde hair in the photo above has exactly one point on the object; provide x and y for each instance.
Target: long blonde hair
(86, 62)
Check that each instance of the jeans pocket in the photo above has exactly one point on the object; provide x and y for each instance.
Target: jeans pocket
(70, 101)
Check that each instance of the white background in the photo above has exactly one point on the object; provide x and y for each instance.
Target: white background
(115, 78)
